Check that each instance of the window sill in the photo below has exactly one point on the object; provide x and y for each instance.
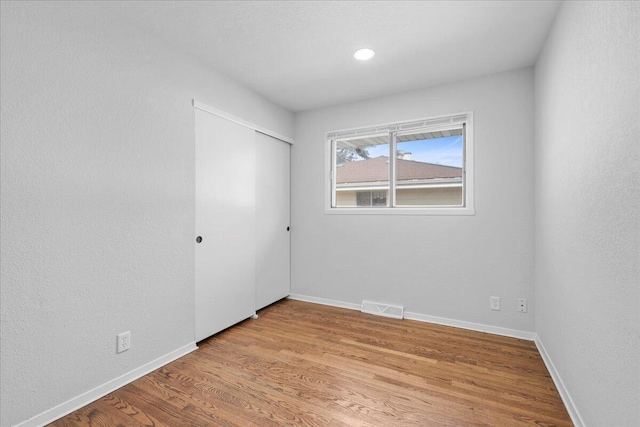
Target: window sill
(401, 211)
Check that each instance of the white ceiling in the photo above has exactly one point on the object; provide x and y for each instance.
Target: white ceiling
(298, 54)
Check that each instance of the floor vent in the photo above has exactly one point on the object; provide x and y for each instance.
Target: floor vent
(395, 311)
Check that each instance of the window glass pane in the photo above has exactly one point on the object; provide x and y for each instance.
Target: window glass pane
(363, 198)
(429, 168)
(362, 172)
(371, 198)
(379, 198)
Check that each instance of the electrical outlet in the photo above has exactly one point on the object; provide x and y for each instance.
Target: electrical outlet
(522, 305)
(494, 303)
(124, 342)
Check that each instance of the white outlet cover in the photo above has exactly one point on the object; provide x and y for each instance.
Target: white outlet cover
(522, 305)
(124, 342)
(494, 303)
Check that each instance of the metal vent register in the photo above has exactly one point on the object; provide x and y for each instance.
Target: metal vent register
(370, 307)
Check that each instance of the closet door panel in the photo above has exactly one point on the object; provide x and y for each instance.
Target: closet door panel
(225, 220)
(272, 220)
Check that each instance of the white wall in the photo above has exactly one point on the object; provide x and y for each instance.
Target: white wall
(97, 198)
(587, 194)
(444, 266)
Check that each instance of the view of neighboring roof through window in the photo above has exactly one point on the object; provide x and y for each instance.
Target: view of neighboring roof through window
(427, 166)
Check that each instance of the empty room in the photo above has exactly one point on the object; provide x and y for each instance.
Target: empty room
(320, 213)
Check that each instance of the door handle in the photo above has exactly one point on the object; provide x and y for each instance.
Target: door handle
(198, 239)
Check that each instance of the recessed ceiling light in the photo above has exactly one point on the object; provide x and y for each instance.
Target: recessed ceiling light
(363, 54)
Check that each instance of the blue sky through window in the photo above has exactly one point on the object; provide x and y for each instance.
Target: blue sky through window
(444, 151)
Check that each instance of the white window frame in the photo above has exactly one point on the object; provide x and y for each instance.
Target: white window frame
(391, 129)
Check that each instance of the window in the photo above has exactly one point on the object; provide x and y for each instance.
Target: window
(422, 166)
(371, 198)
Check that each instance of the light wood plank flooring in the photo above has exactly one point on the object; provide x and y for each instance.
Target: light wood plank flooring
(312, 365)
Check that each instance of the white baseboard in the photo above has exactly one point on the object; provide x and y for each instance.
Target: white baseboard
(84, 399)
(478, 327)
(513, 333)
(325, 301)
(562, 390)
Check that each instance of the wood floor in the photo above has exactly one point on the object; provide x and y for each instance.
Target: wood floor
(312, 365)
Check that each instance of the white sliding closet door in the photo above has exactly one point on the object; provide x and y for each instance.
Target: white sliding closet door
(226, 221)
(272, 219)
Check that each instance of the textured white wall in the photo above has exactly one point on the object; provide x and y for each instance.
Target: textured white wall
(445, 266)
(587, 194)
(97, 198)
